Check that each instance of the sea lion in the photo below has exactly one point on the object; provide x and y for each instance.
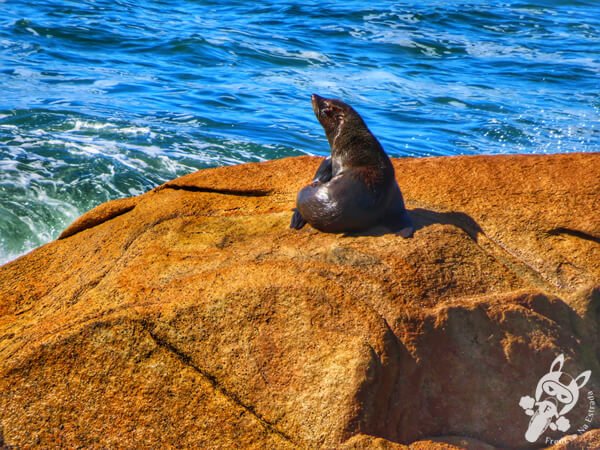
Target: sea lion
(355, 188)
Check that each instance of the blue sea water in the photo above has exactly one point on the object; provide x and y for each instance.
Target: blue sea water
(102, 99)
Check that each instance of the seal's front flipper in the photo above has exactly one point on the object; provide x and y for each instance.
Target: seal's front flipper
(400, 223)
(406, 232)
(297, 220)
(324, 172)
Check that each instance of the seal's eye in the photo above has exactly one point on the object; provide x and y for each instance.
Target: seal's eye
(333, 113)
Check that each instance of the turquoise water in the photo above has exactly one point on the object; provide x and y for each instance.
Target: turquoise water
(105, 99)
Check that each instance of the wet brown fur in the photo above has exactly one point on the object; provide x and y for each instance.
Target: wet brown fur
(357, 189)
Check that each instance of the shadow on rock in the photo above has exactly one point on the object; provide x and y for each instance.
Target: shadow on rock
(423, 218)
(471, 364)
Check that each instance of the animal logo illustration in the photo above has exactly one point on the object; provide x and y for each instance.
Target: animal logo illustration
(556, 394)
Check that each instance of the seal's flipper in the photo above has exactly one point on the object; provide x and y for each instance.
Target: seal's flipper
(406, 232)
(324, 172)
(400, 223)
(297, 220)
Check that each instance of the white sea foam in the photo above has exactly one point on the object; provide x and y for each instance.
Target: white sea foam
(304, 55)
(25, 73)
(8, 165)
(87, 125)
(8, 257)
(82, 125)
(136, 130)
(457, 104)
(106, 83)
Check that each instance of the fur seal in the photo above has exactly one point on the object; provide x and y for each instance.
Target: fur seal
(355, 188)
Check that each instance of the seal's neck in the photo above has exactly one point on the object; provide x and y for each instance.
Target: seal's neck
(353, 145)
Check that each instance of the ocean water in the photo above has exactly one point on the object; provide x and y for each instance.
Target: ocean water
(108, 98)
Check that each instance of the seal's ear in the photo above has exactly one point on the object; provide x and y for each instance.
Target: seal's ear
(557, 364)
(583, 378)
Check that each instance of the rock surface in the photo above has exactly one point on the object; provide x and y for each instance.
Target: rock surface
(192, 316)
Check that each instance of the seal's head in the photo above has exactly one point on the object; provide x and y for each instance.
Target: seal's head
(351, 142)
(333, 115)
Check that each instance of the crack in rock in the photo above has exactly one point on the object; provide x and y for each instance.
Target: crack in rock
(187, 360)
(95, 217)
(235, 192)
(115, 208)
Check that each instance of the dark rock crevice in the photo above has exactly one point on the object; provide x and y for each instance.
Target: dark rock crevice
(188, 361)
(209, 190)
(99, 215)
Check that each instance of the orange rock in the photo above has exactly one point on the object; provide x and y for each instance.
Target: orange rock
(192, 316)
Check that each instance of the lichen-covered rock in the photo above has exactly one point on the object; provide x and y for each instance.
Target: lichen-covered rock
(192, 316)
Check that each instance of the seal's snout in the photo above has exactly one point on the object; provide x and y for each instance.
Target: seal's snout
(317, 101)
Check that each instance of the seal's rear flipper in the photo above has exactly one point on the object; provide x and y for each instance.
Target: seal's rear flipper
(297, 220)
(406, 232)
(401, 224)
